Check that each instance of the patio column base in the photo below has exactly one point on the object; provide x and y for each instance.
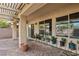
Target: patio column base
(24, 47)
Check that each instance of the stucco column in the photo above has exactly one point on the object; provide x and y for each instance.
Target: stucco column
(23, 45)
(53, 26)
(14, 30)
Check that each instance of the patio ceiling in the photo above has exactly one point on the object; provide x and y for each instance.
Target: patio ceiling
(9, 10)
(51, 8)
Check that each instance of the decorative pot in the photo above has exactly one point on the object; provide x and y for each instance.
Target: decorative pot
(62, 43)
(72, 46)
(24, 47)
(54, 41)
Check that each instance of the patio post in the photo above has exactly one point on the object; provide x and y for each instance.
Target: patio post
(14, 30)
(23, 45)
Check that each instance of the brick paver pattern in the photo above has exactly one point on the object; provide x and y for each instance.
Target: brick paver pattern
(10, 47)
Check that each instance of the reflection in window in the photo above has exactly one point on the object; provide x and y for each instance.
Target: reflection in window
(74, 21)
(45, 28)
(29, 31)
(74, 28)
(74, 31)
(41, 28)
(62, 26)
(48, 27)
(32, 30)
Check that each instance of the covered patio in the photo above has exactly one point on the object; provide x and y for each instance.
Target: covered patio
(53, 25)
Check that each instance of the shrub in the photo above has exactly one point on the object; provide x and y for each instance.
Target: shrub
(53, 39)
(64, 39)
(4, 23)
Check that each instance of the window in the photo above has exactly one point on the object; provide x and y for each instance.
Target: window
(41, 28)
(74, 29)
(62, 26)
(29, 31)
(45, 28)
(48, 27)
(32, 30)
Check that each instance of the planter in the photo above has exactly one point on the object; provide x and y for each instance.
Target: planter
(78, 44)
(62, 43)
(24, 47)
(72, 46)
(38, 36)
(54, 40)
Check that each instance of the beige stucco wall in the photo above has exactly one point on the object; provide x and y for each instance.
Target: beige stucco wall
(53, 14)
(5, 33)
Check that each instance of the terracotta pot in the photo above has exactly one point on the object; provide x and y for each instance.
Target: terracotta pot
(24, 47)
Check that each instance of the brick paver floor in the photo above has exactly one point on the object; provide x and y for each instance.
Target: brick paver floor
(9, 47)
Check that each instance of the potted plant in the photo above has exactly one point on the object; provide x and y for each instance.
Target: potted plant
(63, 42)
(54, 40)
(72, 46)
(38, 36)
(77, 42)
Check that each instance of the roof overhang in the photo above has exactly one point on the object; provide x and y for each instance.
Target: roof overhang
(32, 7)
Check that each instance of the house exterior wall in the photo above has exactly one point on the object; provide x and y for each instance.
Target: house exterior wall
(53, 15)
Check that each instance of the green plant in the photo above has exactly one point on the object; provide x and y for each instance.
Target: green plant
(63, 39)
(4, 23)
(38, 36)
(53, 39)
(63, 42)
(78, 42)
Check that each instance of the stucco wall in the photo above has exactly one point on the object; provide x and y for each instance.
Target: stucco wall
(52, 15)
(5, 33)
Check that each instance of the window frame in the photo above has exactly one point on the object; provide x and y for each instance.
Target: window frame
(69, 22)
